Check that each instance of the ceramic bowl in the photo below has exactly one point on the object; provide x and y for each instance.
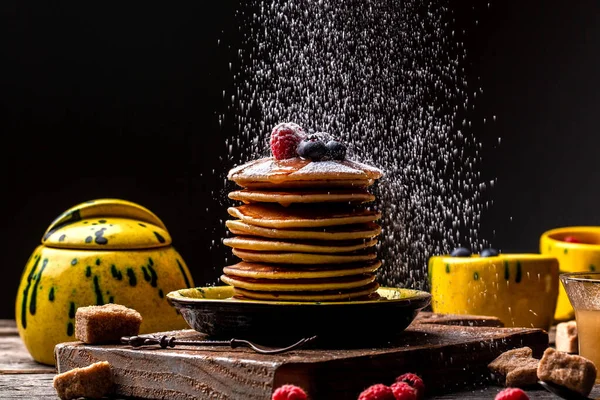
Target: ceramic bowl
(519, 289)
(214, 311)
(577, 249)
(101, 251)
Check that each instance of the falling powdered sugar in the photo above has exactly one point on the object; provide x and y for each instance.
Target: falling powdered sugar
(386, 77)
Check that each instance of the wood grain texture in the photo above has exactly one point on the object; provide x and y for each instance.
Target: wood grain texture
(15, 359)
(36, 386)
(446, 356)
(426, 317)
(8, 327)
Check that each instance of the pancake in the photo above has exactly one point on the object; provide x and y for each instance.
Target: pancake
(346, 232)
(266, 271)
(304, 196)
(303, 258)
(335, 295)
(307, 246)
(284, 172)
(348, 183)
(276, 216)
(299, 285)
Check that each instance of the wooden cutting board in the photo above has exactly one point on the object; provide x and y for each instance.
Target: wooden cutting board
(449, 352)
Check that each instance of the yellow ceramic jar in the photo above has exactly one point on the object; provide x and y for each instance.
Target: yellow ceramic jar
(98, 252)
(580, 256)
(519, 289)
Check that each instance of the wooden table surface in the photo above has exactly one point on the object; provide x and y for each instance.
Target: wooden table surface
(23, 378)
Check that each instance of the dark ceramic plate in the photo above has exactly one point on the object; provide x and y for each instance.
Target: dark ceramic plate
(213, 311)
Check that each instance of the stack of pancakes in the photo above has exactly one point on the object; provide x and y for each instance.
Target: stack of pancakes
(304, 232)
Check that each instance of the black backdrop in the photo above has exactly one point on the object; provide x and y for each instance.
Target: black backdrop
(101, 101)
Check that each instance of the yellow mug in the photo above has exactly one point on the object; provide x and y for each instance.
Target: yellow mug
(577, 249)
(519, 289)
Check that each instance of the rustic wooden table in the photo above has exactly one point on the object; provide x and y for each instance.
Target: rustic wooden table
(23, 378)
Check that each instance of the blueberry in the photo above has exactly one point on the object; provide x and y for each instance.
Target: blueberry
(489, 252)
(336, 150)
(461, 252)
(312, 149)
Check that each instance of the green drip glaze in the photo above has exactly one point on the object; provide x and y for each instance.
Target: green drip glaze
(147, 276)
(116, 273)
(447, 268)
(98, 261)
(70, 329)
(26, 293)
(111, 299)
(98, 291)
(159, 237)
(72, 310)
(593, 268)
(153, 276)
(74, 261)
(88, 271)
(74, 216)
(131, 276)
(187, 281)
(566, 251)
(519, 273)
(506, 271)
(476, 275)
(160, 293)
(51, 294)
(33, 302)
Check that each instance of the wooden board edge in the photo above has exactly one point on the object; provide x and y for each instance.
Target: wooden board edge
(467, 368)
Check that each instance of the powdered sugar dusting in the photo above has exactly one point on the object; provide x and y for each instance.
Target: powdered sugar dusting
(328, 167)
(364, 167)
(388, 78)
(261, 169)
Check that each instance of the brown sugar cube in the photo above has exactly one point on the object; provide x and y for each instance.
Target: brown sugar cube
(516, 367)
(94, 381)
(523, 376)
(566, 337)
(572, 371)
(510, 360)
(107, 323)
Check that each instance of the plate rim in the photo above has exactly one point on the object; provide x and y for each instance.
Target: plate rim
(419, 297)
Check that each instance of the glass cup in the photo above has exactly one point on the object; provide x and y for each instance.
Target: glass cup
(583, 290)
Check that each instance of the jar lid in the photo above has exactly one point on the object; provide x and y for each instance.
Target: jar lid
(107, 224)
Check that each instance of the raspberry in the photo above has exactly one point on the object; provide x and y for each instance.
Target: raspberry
(512, 394)
(415, 382)
(377, 392)
(285, 138)
(571, 239)
(289, 392)
(403, 391)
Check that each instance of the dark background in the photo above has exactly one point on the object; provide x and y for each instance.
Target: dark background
(100, 101)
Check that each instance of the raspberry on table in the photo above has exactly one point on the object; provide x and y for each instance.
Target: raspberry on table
(512, 394)
(289, 392)
(377, 392)
(403, 391)
(284, 141)
(415, 382)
